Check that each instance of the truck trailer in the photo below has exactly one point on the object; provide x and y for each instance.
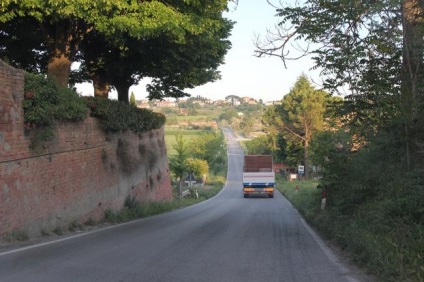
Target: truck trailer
(258, 175)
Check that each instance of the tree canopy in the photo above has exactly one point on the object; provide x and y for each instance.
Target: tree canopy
(60, 30)
(299, 116)
(374, 49)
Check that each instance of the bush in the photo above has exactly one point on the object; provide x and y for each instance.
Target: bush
(17, 235)
(45, 102)
(116, 116)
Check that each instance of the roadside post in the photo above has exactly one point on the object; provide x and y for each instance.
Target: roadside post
(324, 200)
(301, 171)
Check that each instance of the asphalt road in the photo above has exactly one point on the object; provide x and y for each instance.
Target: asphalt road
(227, 238)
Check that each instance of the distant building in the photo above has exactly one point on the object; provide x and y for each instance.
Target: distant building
(143, 104)
(220, 102)
(166, 104)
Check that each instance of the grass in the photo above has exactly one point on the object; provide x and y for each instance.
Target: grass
(304, 195)
(134, 210)
(170, 137)
(390, 247)
(14, 236)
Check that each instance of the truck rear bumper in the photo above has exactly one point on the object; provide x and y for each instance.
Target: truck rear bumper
(258, 191)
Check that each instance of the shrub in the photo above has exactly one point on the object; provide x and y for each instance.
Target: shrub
(45, 102)
(117, 116)
(17, 235)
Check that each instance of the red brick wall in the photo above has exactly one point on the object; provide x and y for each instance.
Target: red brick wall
(76, 176)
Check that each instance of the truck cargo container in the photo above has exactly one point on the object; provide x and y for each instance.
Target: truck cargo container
(258, 175)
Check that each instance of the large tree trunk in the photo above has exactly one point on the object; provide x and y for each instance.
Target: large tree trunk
(306, 156)
(101, 87)
(123, 92)
(61, 47)
(412, 74)
(59, 67)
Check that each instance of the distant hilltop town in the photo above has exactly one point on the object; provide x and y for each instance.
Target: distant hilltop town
(200, 101)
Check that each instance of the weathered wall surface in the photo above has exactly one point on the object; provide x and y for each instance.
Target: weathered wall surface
(76, 176)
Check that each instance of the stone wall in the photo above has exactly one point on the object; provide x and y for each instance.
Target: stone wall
(78, 175)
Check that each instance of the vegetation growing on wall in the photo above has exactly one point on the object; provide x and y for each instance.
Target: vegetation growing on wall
(116, 116)
(45, 103)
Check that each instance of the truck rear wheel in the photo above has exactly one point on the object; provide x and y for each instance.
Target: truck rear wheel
(246, 195)
(271, 195)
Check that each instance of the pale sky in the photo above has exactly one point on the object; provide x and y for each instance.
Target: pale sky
(244, 74)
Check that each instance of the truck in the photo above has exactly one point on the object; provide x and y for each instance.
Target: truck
(258, 175)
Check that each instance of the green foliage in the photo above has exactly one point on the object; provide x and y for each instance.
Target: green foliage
(197, 166)
(246, 124)
(374, 203)
(132, 99)
(295, 121)
(355, 45)
(45, 102)
(133, 209)
(17, 235)
(74, 226)
(330, 148)
(304, 195)
(58, 230)
(209, 192)
(303, 109)
(194, 36)
(177, 163)
(170, 137)
(258, 145)
(117, 116)
(373, 164)
(228, 115)
(380, 234)
(193, 150)
(210, 147)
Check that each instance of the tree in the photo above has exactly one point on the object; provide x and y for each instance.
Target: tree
(232, 99)
(372, 48)
(228, 115)
(211, 148)
(23, 48)
(173, 64)
(64, 24)
(132, 99)
(197, 166)
(178, 164)
(301, 114)
(258, 145)
(412, 78)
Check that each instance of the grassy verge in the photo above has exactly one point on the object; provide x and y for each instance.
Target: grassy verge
(304, 196)
(390, 247)
(134, 210)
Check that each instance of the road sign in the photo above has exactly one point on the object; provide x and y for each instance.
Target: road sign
(301, 169)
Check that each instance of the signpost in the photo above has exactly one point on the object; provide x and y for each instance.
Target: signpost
(301, 169)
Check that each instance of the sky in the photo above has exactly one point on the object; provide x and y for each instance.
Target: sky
(242, 73)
